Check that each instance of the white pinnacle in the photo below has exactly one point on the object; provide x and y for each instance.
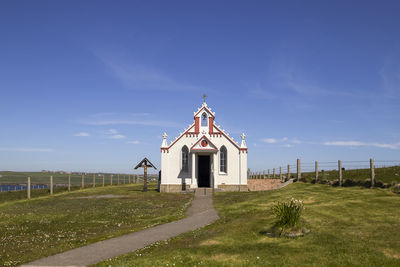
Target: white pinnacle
(243, 144)
(164, 142)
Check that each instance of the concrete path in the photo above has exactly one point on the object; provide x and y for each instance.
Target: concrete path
(200, 214)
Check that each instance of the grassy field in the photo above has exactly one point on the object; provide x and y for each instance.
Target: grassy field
(9, 177)
(47, 225)
(349, 226)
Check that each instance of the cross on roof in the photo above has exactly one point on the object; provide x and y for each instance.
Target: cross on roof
(204, 98)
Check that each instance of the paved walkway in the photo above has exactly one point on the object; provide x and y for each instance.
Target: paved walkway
(200, 214)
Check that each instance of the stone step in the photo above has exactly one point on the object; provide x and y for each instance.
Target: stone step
(203, 191)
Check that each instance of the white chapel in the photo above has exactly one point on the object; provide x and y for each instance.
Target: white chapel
(204, 155)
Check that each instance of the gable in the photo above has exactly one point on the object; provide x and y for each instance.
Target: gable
(204, 145)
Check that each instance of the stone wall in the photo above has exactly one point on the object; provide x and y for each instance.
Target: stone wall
(263, 184)
(172, 188)
(232, 187)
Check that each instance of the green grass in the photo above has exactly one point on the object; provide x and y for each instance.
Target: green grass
(349, 226)
(32, 229)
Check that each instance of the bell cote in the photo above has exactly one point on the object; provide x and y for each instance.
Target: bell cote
(204, 120)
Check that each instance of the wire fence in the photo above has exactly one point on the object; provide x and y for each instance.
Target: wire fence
(15, 181)
(381, 171)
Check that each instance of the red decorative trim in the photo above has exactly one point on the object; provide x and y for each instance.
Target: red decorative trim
(233, 142)
(207, 149)
(209, 111)
(197, 125)
(176, 140)
(210, 124)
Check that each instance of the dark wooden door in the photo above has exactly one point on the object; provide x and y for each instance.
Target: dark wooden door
(204, 171)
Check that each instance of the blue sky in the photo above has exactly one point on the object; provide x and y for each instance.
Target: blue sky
(92, 85)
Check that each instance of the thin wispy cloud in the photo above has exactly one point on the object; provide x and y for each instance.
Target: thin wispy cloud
(117, 136)
(135, 142)
(359, 144)
(111, 131)
(137, 76)
(285, 141)
(390, 77)
(143, 119)
(82, 134)
(26, 149)
(284, 79)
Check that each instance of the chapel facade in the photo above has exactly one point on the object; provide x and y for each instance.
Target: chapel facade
(204, 155)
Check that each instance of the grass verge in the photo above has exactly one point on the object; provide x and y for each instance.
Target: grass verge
(349, 226)
(36, 228)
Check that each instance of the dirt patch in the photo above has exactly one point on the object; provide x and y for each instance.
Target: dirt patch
(210, 242)
(103, 196)
(390, 253)
(226, 258)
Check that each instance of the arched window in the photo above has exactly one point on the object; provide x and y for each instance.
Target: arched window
(185, 159)
(223, 156)
(204, 121)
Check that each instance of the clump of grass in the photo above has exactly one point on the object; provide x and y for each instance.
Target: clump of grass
(288, 213)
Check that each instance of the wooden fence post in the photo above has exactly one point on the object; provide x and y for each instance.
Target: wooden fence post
(103, 180)
(269, 173)
(51, 185)
(298, 169)
(69, 182)
(372, 167)
(288, 172)
(340, 172)
(111, 179)
(273, 173)
(124, 179)
(129, 178)
(83, 181)
(263, 174)
(280, 173)
(316, 171)
(118, 178)
(28, 188)
(94, 180)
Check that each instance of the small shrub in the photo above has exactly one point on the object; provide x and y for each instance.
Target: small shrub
(396, 189)
(349, 182)
(288, 213)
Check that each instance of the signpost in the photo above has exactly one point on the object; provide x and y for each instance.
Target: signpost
(145, 163)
